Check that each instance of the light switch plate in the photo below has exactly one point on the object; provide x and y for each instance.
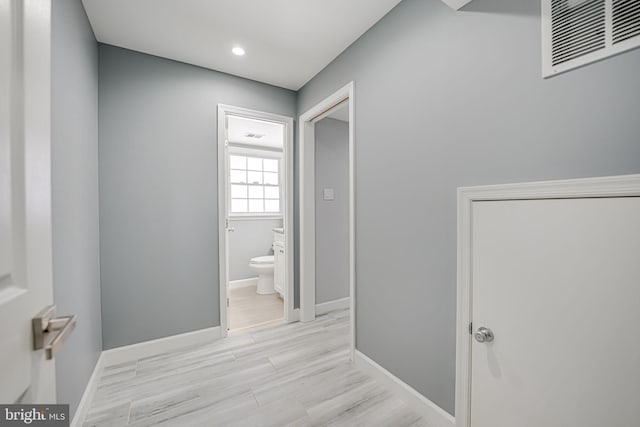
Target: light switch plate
(328, 194)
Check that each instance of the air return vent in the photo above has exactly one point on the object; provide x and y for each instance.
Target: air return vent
(626, 20)
(577, 32)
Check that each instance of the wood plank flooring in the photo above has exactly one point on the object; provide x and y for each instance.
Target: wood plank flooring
(295, 374)
(247, 308)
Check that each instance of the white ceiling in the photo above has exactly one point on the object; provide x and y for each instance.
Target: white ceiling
(269, 135)
(287, 42)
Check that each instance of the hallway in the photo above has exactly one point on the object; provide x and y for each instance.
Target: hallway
(294, 374)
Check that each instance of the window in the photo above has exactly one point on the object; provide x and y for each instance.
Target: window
(254, 185)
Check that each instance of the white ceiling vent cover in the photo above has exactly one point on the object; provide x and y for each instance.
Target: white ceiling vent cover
(578, 32)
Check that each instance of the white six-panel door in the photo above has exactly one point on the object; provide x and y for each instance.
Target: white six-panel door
(25, 197)
(558, 283)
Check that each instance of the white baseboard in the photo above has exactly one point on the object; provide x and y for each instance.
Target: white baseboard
(244, 283)
(161, 345)
(295, 316)
(87, 396)
(337, 304)
(136, 351)
(432, 413)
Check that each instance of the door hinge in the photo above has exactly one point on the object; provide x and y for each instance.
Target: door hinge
(227, 302)
(470, 328)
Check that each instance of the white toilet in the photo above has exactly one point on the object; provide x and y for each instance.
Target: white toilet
(263, 266)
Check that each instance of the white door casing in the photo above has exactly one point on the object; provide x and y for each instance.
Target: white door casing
(306, 197)
(223, 229)
(551, 268)
(26, 275)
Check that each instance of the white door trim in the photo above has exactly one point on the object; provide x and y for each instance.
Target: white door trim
(223, 111)
(306, 194)
(614, 186)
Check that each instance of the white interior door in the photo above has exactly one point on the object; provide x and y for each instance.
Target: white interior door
(25, 197)
(558, 284)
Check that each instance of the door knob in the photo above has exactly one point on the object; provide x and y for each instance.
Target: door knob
(483, 334)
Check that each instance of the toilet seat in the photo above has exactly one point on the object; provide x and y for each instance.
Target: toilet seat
(262, 260)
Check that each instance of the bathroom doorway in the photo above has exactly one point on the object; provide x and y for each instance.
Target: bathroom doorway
(255, 218)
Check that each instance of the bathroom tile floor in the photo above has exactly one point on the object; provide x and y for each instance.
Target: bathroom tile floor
(296, 374)
(247, 308)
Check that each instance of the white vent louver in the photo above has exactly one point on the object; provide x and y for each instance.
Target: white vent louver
(577, 32)
(626, 20)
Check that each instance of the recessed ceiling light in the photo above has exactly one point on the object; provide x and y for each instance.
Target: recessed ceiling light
(238, 51)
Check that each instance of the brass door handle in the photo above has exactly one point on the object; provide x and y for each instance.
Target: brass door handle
(44, 324)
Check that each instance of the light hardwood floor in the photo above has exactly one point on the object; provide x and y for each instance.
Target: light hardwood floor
(247, 308)
(295, 374)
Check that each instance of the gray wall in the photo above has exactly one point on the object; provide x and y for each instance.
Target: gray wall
(158, 190)
(251, 238)
(332, 217)
(446, 99)
(76, 268)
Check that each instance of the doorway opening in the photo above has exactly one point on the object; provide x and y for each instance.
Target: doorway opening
(315, 196)
(255, 217)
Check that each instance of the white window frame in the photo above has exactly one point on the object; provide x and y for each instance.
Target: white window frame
(234, 150)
